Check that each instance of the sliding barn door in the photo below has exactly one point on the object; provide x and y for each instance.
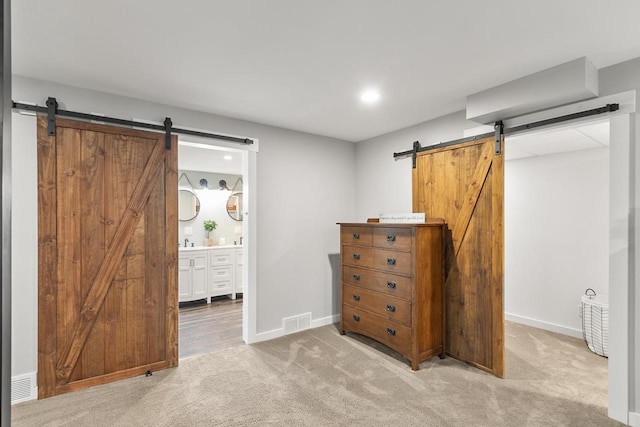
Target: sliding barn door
(107, 253)
(464, 184)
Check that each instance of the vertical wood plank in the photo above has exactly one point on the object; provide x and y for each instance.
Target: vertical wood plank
(154, 262)
(69, 272)
(171, 251)
(93, 240)
(47, 261)
(497, 260)
(116, 197)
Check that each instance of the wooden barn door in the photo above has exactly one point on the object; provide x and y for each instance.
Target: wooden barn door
(464, 184)
(107, 248)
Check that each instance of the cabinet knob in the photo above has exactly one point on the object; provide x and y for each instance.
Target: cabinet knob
(356, 236)
(357, 297)
(391, 331)
(391, 285)
(356, 317)
(391, 238)
(356, 277)
(391, 308)
(356, 256)
(391, 261)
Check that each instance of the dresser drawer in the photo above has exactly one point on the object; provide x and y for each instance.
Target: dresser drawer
(398, 286)
(392, 261)
(387, 306)
(393, 334)
(359, 236)
(392, 238)
(357, 256)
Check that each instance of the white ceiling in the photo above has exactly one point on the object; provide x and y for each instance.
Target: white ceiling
(553, 141)
(207, 158)
(302, 64)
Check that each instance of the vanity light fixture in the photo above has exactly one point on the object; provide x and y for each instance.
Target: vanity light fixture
(223, 185)
(370, 96)
(204, 184)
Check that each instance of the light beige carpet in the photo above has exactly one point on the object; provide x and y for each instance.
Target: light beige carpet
(319, 378)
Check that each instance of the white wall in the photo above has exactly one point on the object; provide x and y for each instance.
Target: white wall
(556, 236)
(213, 205)
(306, 183)
(384, 183)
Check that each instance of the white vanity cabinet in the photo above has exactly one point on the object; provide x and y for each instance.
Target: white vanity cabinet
(206, 272)
(192, 275)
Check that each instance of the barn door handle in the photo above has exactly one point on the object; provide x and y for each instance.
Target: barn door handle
(356, 317)
(356, 256)
(391, 308)
(356, 297)
(391, 285)
(356, 236)
(391, 331)
(391, 261)
(391, 238)
(356, 277)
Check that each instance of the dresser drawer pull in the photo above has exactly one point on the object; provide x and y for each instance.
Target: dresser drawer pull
(391, 285)
(356, 256)
(356, 297)
(356, 277)
(356, 236)
(391, 331)
(391, 238)
(391, 261)
(391, 308)
(356, 317)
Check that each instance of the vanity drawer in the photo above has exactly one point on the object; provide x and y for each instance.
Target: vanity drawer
(220, 258)
(392, 238)
(219, 274)
(392, 308)
(390, 333)
(392, 261)
(398, 286)
(359, 236)
(357, 256)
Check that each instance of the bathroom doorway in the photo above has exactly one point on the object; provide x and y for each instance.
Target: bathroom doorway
(211, 237)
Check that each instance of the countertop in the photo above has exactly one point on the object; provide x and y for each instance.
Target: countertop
(201, 248)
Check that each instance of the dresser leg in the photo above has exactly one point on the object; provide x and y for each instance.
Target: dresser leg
(415, 365)
(442, 355)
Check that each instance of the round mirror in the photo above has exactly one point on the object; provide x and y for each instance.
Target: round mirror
(188, 205)
(234, 206)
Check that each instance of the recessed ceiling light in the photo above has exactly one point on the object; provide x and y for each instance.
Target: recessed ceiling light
(227, 157)
(370, 96)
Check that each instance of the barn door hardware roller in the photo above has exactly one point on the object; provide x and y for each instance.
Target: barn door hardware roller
(52, 110)
(500, 130)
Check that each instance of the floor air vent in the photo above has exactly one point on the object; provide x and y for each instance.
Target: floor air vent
(23, 388)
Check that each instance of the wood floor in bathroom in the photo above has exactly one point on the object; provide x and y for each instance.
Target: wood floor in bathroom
(205, 328)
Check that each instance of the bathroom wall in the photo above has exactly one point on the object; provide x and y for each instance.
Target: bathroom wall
(213, 205)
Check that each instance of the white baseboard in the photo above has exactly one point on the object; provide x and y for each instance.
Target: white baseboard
(269, 335)
(324, 321)
(24, 387)
(315, 323)
(577, 333)
(634, 419)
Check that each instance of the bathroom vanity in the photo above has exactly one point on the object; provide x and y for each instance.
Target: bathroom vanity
(209, 271)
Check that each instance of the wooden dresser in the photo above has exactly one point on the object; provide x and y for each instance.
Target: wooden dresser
(392, 286)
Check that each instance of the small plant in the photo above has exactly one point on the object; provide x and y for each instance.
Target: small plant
(210, 225)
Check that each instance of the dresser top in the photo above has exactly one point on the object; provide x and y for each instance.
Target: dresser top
(430, 222)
